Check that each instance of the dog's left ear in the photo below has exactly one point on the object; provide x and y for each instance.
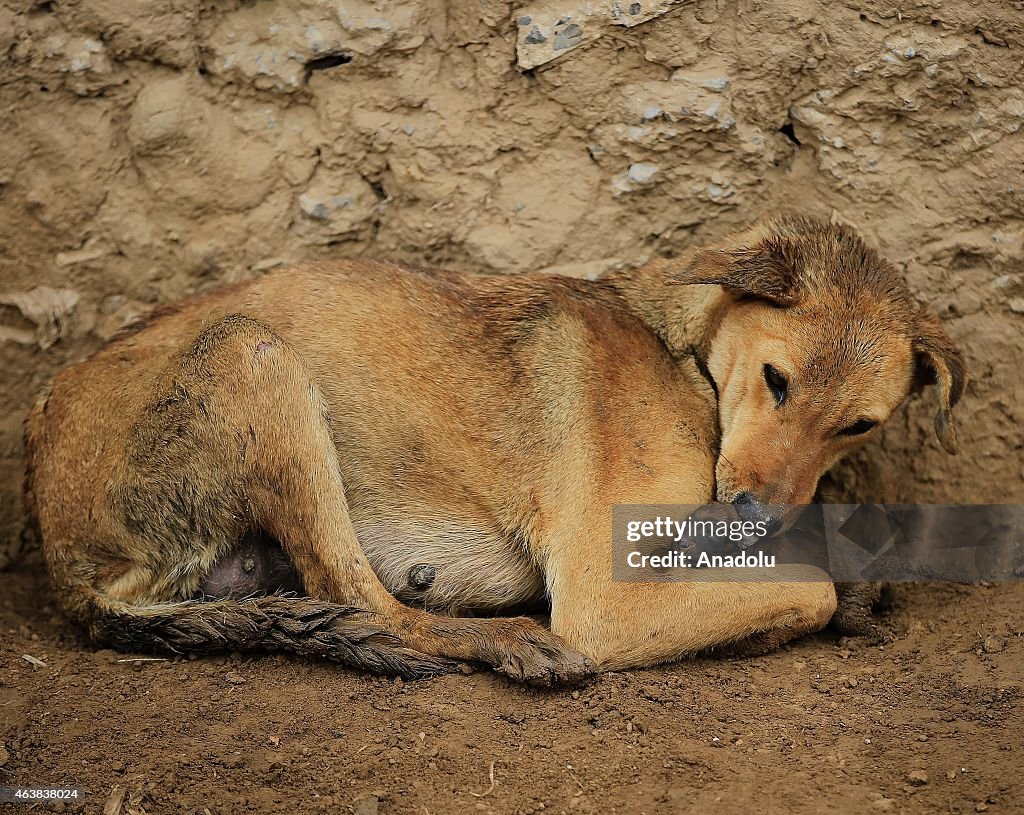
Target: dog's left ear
(762, 271)
(938, 362)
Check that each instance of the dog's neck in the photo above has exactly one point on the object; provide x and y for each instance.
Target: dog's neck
(685, 317)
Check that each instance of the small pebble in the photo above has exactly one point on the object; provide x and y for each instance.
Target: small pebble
(367, 805)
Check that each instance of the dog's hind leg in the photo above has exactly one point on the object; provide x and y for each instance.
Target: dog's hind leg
(239, 436)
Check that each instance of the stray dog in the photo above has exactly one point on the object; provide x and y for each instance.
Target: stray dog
(423, 444)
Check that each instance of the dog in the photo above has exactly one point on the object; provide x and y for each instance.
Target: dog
(426, 449)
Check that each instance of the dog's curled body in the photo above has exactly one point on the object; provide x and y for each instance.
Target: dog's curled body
(374, 418)
(151, 460)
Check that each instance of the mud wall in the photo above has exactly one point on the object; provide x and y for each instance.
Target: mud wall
(152, 149)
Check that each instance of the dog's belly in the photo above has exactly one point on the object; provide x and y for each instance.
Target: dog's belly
(445, 567)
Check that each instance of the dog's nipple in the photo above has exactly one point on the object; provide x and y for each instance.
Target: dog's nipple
(421, 576)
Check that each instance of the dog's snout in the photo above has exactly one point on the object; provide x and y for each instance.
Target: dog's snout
(750, 509)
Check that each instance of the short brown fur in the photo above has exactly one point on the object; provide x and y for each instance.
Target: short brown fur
(371, 417)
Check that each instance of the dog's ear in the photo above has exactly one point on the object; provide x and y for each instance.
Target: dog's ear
(937, 361)
(763, 271)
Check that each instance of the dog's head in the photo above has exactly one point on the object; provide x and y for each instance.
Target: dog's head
(818, 342)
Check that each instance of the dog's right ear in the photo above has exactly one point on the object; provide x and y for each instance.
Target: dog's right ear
(763, 271)
(938, 362)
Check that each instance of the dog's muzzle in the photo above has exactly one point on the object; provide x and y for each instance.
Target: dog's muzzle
(750, 509)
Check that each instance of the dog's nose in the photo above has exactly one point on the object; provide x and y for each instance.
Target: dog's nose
(750, 509)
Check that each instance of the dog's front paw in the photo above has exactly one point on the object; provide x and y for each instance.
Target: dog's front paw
(855, 615)
(528, 652)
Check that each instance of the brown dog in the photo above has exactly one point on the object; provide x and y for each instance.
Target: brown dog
(456, 441)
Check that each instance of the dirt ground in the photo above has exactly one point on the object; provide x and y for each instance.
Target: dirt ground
(929, 722)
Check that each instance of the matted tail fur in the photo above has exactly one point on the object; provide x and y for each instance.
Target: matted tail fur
(273, 623)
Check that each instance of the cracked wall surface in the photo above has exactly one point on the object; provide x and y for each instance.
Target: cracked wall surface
(153, 149)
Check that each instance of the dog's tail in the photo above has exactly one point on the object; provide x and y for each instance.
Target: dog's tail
(272, 623)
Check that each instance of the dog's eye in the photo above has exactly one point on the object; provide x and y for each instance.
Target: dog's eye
(858, 428)
(776, 382)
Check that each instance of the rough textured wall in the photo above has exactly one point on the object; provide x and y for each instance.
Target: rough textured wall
(152, 149)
